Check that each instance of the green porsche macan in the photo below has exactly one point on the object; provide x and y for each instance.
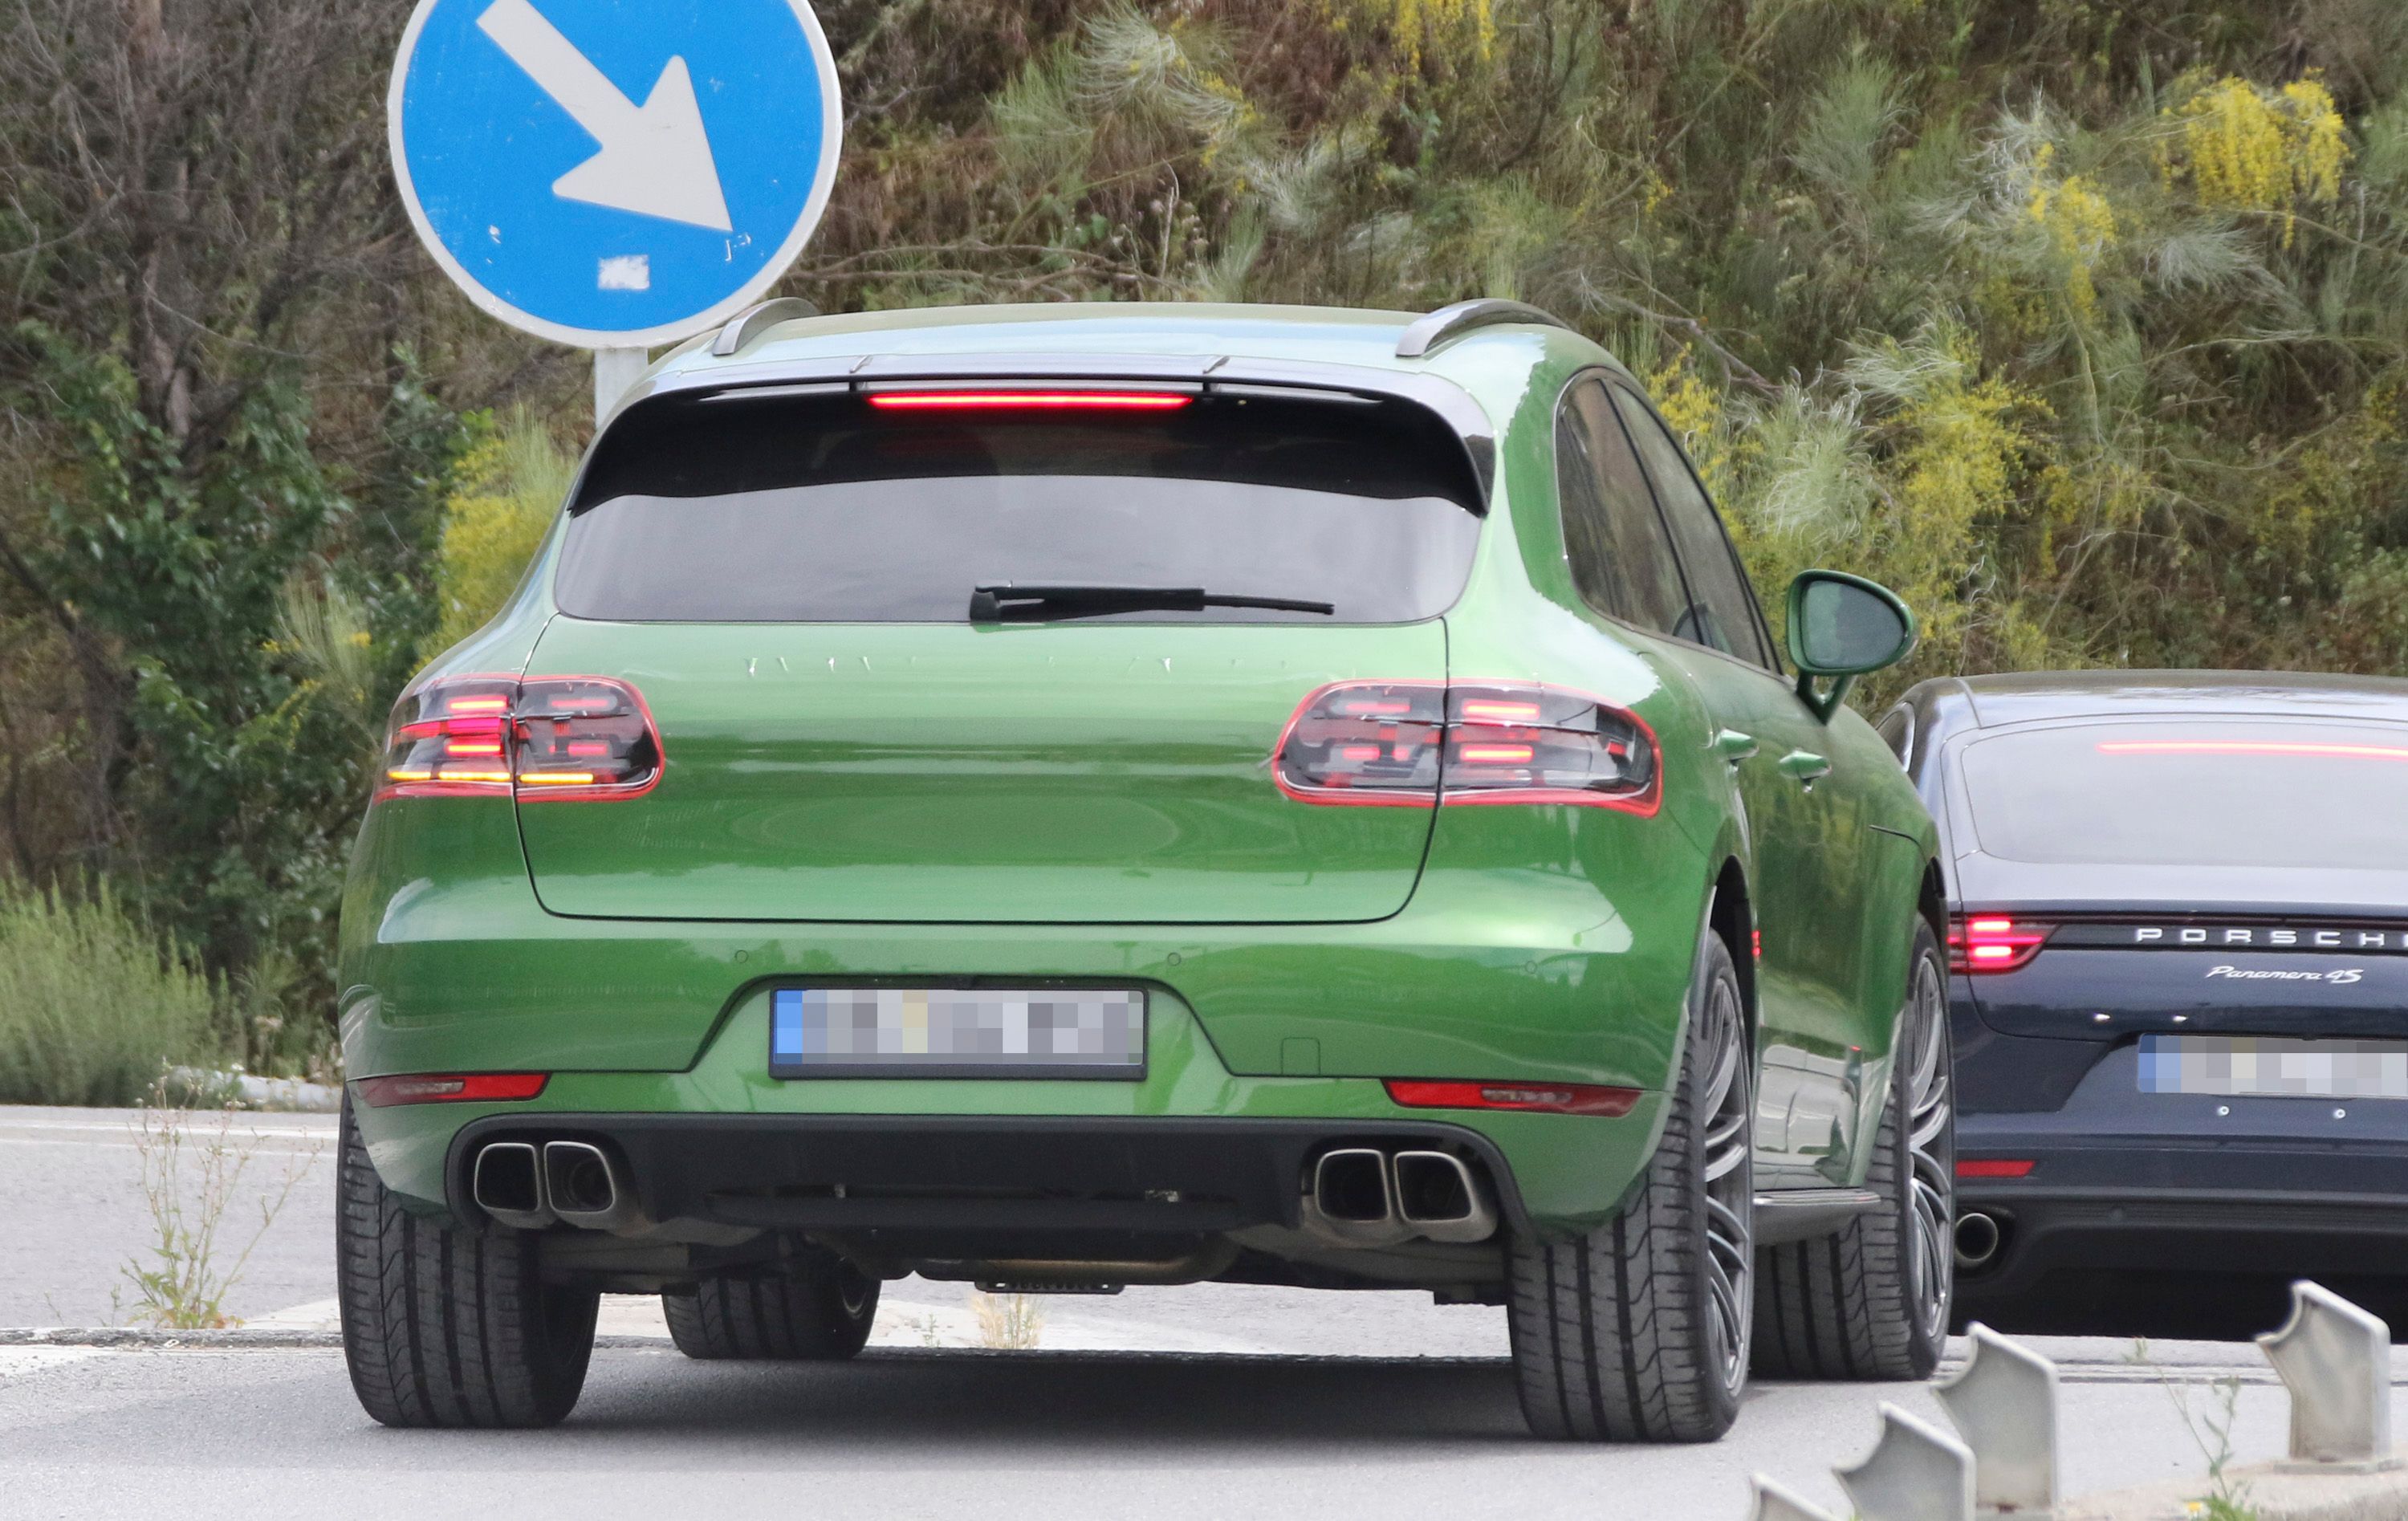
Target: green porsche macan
(1073, 797)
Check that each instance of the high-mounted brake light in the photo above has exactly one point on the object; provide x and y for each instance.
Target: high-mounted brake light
(555, 738)
(1534, 1097)
(1405, 744)
(452, 1088)
(1992, 942)
(1049, 401)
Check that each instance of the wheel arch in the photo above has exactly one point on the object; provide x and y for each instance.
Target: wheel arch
(1731, 914)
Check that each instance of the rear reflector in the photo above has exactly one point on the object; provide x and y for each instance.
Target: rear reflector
(1536, 1098)
(1990, 1166)
(1408, 743)
(1048, 401)
(1993, 943)
(555, 737)
(452, 1088)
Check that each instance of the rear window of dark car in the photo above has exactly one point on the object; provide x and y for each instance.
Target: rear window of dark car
(752, 508)
(2213, 792)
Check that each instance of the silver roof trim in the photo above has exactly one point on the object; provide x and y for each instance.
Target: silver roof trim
(1426, 335)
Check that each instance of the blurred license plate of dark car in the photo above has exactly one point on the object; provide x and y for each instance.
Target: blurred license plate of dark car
(2263, 1067)
(958, 1032)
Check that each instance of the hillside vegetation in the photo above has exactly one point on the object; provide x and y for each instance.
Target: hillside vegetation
(2082, 323)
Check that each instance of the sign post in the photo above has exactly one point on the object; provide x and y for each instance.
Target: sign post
(614, 174)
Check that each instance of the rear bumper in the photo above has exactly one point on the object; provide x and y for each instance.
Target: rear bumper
(2179, 1203)
(1008, 1177)
(1188, 1126)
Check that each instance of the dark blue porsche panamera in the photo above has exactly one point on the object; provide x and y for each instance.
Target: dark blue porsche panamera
(2180, 951)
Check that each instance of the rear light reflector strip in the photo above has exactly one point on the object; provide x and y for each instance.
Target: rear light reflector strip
(1993, 943)
(1992, 1167)
(1531, 1098)
(1405, 744)
(550, 736)
(452, 1088)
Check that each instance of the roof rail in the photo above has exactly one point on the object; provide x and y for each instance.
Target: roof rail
(752, 322)
(1427, 334)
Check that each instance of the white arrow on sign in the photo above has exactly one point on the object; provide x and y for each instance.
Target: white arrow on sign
(656, 159)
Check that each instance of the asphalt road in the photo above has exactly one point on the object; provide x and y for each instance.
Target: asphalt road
(1208, 1402)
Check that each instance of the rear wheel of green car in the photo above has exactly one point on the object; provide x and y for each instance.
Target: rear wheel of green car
(1638, 1330)
(1873, 1301)
(817, 1308)
(447, 1326)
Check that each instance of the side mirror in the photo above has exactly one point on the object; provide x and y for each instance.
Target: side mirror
(1843, 626)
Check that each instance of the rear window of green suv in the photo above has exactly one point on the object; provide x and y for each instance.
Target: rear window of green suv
(744, 507)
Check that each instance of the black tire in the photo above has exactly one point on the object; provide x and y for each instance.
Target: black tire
(1638, 1330)
(447, 1326)
(1873, 1301)
(816, 1309)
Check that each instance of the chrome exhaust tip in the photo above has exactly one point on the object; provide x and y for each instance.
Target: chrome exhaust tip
(584, 1188)
(1978, 1239)
(1437, 1197)
(507, 1185)
(1349, 1201)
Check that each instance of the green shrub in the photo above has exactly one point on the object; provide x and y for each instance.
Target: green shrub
(91, 1011)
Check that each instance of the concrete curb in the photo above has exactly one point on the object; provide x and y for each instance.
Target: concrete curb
(238, 1339)
(2268, 1491)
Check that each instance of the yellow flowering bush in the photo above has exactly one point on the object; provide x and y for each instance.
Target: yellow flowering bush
(2249, 148)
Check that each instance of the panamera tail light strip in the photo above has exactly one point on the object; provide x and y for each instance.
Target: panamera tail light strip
(452, 1088)
(550, 737)
(1405, 744)
(1028, 401)
(1528, 1098)
(2250, 747)
(1994, 942)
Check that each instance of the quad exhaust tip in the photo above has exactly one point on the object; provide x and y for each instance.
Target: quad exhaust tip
(507, 1185)
(528, 1188)
(583, 1187)
(1438, 1198)
(1362, 1196)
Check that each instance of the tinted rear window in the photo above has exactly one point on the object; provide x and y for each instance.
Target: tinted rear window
(822, 509)
(2230, 792)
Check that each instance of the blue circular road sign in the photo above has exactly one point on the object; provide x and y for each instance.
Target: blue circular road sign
(614, 173)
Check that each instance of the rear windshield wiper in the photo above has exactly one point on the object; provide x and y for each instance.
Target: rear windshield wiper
(1029, 604)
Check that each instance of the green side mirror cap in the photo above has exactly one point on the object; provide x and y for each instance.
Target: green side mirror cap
(1841, 627)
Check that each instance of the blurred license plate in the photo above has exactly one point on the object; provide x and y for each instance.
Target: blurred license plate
(2261, 1068)
(956, 1032)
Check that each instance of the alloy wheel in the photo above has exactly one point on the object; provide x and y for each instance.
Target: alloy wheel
(1931, 1145)
(1727, 1110)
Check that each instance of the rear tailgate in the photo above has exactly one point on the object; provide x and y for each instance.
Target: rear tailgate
(1052, 774)
(1016, 655)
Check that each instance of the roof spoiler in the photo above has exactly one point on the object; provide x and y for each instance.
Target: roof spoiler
(1430, 333)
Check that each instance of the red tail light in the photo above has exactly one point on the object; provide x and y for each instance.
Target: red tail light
(1404, 743)
(452, 1088)
(1535, 1097)
(1993, 943)
(543, 737)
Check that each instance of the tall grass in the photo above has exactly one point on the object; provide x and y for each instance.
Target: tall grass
(91, 1011)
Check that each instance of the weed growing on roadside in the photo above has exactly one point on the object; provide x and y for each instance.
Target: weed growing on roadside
(2212, 1430)
(193, 1168)
(1010, 1322)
